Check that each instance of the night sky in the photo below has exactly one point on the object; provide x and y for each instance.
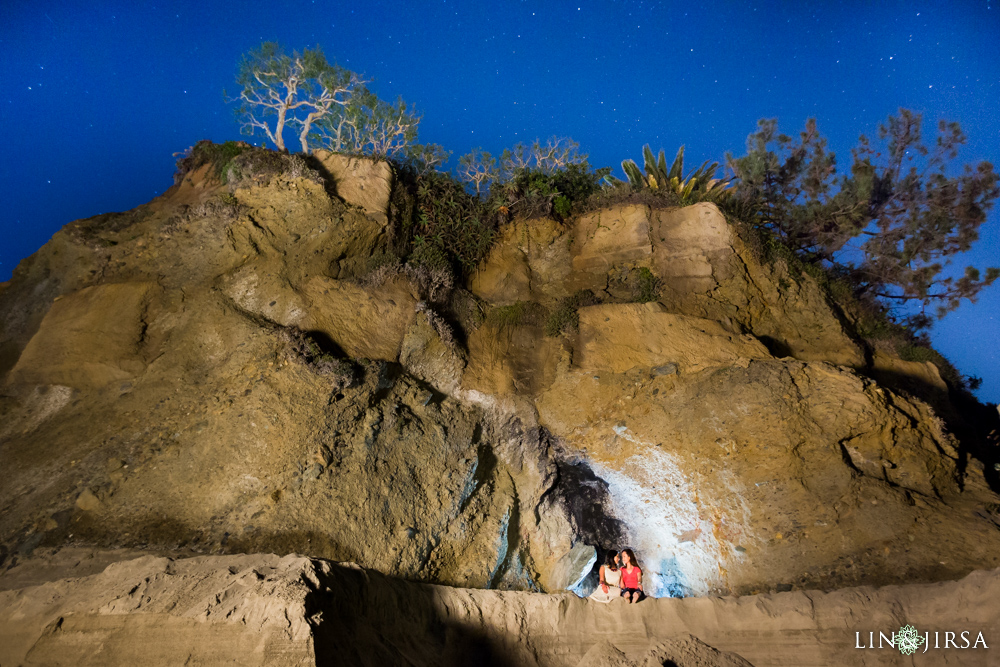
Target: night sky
(98, 96)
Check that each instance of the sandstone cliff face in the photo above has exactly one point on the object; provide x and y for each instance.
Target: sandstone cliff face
(705, 269)
(161, 397)
(158, 389)
(725, 425)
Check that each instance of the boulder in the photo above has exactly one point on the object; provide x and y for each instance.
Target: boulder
(608, 238)
(917, 378)
(359, 181)
(257, 289)
(571, 568)
(530, 261)
(509, 361)
(692, 248)
(435, 361)
(364, 322)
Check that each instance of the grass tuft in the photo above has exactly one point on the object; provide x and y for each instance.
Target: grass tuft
(566, 316)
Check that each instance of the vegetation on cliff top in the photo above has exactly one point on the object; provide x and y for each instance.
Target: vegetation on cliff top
(879, 238)
(890, 226)
(451, 224)
(236, 161)
(328, 105)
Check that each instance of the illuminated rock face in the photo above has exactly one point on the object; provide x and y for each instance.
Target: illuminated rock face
(682, 553)
(734, 443)
(703, 267)
(359, 181)
(89, 339)
(216, 371)
(725, 474)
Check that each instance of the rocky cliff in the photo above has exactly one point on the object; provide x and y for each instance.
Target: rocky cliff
(235, 369)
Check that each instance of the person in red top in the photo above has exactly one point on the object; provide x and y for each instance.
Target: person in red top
(631, 577)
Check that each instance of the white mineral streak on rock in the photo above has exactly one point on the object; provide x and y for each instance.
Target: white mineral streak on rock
(585, 569)
(673, 534)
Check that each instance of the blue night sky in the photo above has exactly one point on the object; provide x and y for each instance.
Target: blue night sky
(98, 96)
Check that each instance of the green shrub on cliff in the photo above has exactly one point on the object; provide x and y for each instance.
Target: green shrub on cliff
(205, 152)
(647, 286)
(450, 223)
(506, 318)
(878, 239)
(873, 323)
(533, 180)
(429, 255)
(533, 193)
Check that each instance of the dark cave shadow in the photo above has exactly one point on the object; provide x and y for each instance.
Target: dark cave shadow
(326, 344)
(362, 617)
(778, 348)
(486, 463)
(459, 332)
(588, 502)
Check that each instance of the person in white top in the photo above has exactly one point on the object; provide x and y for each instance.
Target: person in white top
(611, 578)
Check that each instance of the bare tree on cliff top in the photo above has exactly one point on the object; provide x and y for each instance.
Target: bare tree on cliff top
(279, 90)
(478, 168)
(555, 154)
(369, 125)
(909, 215)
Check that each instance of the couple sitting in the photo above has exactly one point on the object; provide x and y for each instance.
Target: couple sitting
(619, 579)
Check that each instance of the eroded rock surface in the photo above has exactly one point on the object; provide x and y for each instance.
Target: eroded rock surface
(705, 269)
(218, 371)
